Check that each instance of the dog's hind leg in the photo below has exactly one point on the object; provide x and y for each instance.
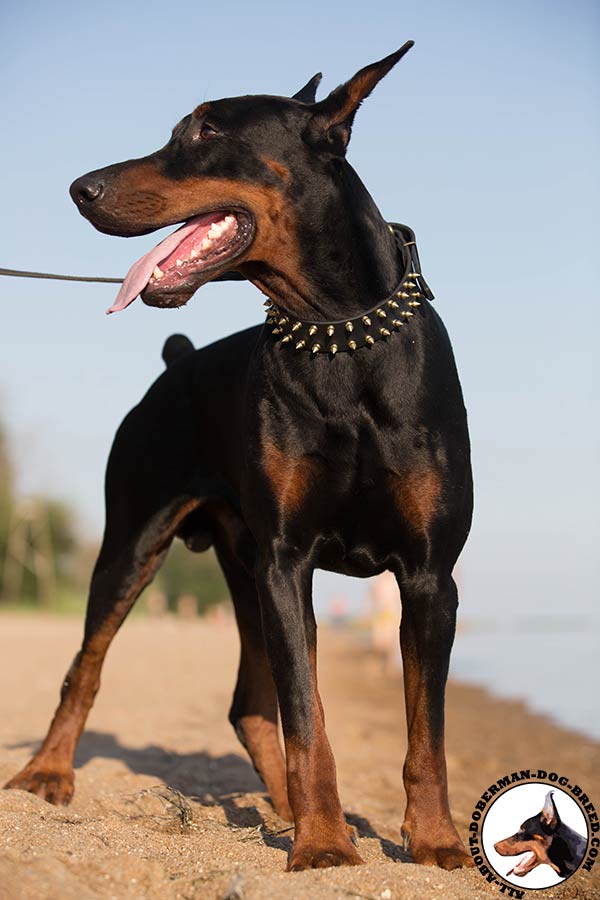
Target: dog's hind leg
(118, 579)
(254, 710)
(142, 518)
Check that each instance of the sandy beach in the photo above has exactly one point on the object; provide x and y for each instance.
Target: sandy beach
(167, 805)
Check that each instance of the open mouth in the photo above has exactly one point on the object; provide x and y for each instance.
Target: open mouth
(170, 273)
(524, 865)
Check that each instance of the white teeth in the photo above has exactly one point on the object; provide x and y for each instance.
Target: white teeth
(205, 243)
(178, 262)
(194, 254)
(158, 273)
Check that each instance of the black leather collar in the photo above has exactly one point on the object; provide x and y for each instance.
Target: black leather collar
(376, 324)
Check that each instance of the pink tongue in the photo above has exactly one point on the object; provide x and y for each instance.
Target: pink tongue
(521, 865)
(140, 272)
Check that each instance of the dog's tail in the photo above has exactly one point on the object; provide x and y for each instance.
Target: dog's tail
(176, 346)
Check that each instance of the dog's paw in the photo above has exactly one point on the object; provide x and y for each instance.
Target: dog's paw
(306, 856)
(448, 858)
(53, 786)
(448, 853)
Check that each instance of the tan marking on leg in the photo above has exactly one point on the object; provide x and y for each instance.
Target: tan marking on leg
(322, 838)
(427, 825)
(417, 494)
(257, 729)
(255, 709)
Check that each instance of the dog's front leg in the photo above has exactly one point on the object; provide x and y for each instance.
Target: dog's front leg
(321, 838)
(429, 604)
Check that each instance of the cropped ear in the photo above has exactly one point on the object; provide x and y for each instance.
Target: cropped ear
(308, 93)
(550, 812)
(331, 123)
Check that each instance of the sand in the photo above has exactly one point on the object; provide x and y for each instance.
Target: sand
(168, 806)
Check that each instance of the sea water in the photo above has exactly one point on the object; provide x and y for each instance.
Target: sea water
(550, 663)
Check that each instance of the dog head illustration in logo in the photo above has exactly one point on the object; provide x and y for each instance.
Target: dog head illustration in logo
(544, 839)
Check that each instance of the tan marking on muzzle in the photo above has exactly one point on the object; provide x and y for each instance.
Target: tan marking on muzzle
(146, 199)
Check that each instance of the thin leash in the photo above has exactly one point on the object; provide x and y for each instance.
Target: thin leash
(21, 273)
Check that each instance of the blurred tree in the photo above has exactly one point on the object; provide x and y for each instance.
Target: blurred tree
(62, 535)
(38, 542)
(44, 562)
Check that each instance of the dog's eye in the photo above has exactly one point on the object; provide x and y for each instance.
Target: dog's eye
(207, 130)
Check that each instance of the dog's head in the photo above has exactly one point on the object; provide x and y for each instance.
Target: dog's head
(534, 839)
(240, 174)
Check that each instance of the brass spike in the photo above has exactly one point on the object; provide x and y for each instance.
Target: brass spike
(413, 303)
(349, 326)
(330, 330)
(277, 331)
(312, 330)
(296, 326)
(393, 303)
(416, 294)
(283, 321)
(406, 313)
(369, 340)
(385, 332)
(352, 345)
(397, 323)
(390, 229)
(414, 274)
(300, 345)
(409, 284)
(366, 321)
(381, 313)
(284, 340)
(315, 348)
(333, 349)
(267, 303)
(403, 295)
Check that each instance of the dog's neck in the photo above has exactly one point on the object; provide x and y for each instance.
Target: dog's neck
(354, 257)
(350, 259)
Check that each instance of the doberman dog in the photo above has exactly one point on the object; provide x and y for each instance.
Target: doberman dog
(544, 838)
(332, 436)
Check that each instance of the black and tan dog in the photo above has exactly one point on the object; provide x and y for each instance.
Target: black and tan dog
(334, 436)
(544, 839)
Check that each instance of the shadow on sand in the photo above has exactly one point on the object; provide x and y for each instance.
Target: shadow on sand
(211, 781)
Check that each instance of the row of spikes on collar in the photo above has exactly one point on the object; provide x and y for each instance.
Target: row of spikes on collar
(364, 330)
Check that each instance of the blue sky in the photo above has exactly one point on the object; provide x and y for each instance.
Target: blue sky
(485, 139)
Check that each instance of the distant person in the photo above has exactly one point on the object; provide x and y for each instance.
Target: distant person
(385, 620)
(338, 612)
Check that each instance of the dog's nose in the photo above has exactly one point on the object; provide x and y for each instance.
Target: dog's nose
(86, 189)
